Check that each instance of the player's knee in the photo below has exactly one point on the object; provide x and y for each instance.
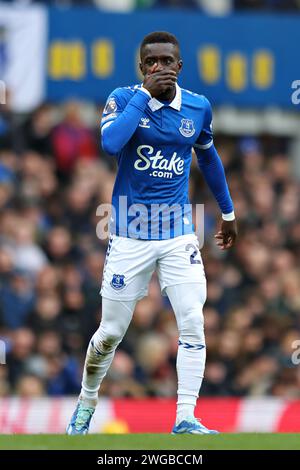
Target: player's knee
(107, 344)
(106, 341)
(192, 325)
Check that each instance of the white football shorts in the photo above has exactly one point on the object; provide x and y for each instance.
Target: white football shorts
(130, 263)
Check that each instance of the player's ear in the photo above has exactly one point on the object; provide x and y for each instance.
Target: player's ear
(179, 65)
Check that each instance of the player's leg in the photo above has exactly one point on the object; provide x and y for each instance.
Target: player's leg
(128, 269)
(187, 301)
(116, 317)
(182, 278)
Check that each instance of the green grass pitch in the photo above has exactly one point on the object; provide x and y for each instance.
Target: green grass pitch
(151, 442)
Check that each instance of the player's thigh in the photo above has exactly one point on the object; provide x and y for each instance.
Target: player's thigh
(180, 262)
(128, 268)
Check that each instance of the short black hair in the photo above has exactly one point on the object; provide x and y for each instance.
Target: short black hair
(157, 37)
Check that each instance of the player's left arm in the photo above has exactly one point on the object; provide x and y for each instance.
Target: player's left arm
(213, 171)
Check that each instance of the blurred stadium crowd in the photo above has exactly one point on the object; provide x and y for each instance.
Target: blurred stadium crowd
(207, 6)
(53, 176)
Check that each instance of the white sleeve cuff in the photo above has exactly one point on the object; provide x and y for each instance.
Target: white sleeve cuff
(205, 146)
(228, 217)
(146, 91)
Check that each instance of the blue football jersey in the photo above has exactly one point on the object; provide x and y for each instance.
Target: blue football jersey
(154, 165)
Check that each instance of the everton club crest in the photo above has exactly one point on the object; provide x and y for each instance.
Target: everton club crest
(187, 128)
(117, 281)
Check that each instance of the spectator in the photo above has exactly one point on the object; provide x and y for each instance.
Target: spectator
(30, 386)
(16, 300)
(72, 140)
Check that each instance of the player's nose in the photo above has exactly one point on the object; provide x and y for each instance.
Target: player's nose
(160, 67)
(154, 68)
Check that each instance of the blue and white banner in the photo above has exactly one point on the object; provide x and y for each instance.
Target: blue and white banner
(23, 46)
(245, 60)
(242, 60)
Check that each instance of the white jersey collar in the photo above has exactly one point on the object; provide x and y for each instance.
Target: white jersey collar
(155, 104)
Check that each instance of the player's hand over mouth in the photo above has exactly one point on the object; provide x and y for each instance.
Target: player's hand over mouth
(158, 82)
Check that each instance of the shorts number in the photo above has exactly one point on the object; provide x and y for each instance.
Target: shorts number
(194, 254)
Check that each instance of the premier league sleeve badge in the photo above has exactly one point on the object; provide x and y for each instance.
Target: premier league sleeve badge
(111, 106)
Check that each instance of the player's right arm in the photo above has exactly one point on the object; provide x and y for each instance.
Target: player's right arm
(121, 118)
